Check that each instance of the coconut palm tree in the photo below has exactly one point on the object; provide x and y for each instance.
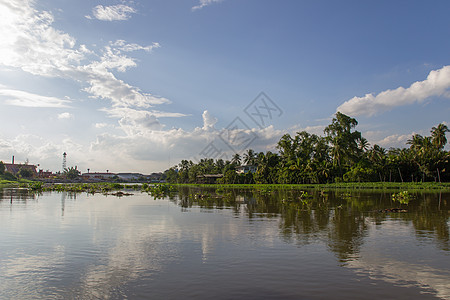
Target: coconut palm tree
(363, 144)
(415, 142)
(438, 135)
(250, 157)
(236, 159)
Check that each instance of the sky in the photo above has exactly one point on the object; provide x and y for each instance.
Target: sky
(137, 86)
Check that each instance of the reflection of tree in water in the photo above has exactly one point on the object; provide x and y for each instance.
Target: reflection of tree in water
(339, 218)
(335, 217)
(430, 219)
(346, 234)
(428, 213)
(304, 219)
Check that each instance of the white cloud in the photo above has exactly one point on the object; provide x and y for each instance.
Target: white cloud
(204, 3)
(112, 13)
(101, 125)
(123, 46)
(104, 84)
(138, 121)
(25, 99)
(145, 124)
(386, 139)
(436, 84)
(65, 116)
(156, 146)
(39, 150)
(30, 43)
(146, 147)
(317, 129)
(119, 112)
(208, 121)
(395, 140)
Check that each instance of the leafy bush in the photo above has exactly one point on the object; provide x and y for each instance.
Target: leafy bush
(25, 173)
(9, 176)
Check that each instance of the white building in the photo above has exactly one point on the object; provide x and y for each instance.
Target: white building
(98, 176)
(129, 176)
(246, 169)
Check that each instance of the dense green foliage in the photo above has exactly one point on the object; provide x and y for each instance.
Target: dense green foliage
(342, 155)
(25, 173)
(5, 177)
(72, 172)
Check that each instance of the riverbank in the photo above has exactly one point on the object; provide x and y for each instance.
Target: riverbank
(108, 186)
(349, 185)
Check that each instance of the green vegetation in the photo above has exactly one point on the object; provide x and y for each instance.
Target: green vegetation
(403, 197)
(77, 187)
(331, 186)
(8, 179)
(71, 173)
(158, 190)
(343, 155)
(25, 173)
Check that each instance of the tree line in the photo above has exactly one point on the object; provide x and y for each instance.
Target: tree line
(341, 155)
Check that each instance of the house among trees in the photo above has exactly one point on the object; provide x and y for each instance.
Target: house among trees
(208, 178)
(246, 169)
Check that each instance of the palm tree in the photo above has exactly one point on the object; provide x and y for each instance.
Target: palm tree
(363, 144)
(250, 157)
(438, 135)
(377, 154)
(415, 142)
(71, 172)
(267, 168)
(236, 159)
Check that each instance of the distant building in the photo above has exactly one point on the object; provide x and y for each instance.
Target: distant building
(15, 168)
(246, 169)
(155, 177)
(97, 176)
(129, 176)
(45, 174)
(208, 178)
(132, 177)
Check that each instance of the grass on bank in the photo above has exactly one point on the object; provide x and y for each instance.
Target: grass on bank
(162, 188)
(348, 185)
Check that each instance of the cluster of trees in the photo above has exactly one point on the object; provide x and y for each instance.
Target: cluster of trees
(342, 155)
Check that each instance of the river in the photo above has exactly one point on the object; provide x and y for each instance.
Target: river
(225, 244)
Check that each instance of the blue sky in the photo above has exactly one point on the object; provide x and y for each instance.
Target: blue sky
(140, 85)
